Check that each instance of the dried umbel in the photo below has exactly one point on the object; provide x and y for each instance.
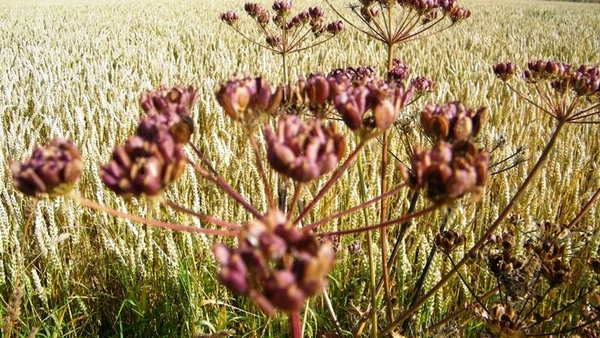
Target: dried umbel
(452, 121)
(449, 240)
(448, 171)
(505, 71)
(372, 108)
(168, 100)
(52, 169)
(399, 71)
(277, 265)
(142, 166)
(243, 98)
(502, 320)
(304, 151)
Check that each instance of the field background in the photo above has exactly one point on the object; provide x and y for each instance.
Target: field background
(76, 68)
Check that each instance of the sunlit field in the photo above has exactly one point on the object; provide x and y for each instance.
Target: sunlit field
(76, 69)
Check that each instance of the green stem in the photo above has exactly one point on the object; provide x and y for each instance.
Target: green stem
(488, 233)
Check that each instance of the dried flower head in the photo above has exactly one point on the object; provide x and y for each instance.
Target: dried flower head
(449, 240)
(275, 264)
(143, 166)
(372, 108)
(399, 71)
(53, 169)
(452, 121)
(169, 100)
(243, 98)
(448, 171)
(502, 320)
(422, 84)
(230, 17)
(505, 71)
(304, 151)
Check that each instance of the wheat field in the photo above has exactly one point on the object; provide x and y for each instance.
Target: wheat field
(76, 69)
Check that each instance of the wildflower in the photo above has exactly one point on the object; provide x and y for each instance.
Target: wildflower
(452, 121)
(448, 171)
(53, 169)
(275, 264)
(304, 151)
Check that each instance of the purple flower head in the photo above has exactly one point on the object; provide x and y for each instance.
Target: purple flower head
(230, 17)
(53, 169)
(372, 108)
(505, 71)
(304, 151)
(167, 100)
(143, 166)
(243, 98)
(335, 27)
(422, 85)
(399, 71)
(282, 8)
(276, 265)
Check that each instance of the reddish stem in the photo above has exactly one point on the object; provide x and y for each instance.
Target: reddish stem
(295, 325)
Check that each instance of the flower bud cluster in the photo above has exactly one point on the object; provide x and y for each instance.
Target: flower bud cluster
(422, 85)
(448, 171)
(362, 74)
(543, 70)
(243, 98)
(503, 321)
(452, 121)
(53, 169)
(276, 265)
(304, 151)
(153, 158)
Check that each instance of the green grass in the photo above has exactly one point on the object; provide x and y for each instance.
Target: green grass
(76, 69)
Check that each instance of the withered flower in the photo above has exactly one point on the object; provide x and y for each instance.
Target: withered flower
(276, 265)
(449, 240)
(399, 71)
(243, 98)
(303, 151)
(505, 71)
(452, 121)
(371, 108)
(422, 84)
(503, 321)
(168, 100)
(230, 17)
(142, 166)
(448, 171)
(53, 169)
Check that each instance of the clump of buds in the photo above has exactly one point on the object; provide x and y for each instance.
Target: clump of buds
(243, 98)
(230, 17)
(362, 74)
(371, 108)
(452, 121)
(275, 264)
(53, 169)
(304, 151)
(448, 171)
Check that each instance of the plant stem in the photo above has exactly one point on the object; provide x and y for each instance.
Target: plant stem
(261, 170)
(540, 162)
(295, 325)
(202, 217)
(336, 175)
(421, 279)
(158, 224)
